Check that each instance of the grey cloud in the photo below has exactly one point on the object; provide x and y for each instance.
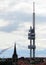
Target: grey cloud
(17, 18)
(9, 28)
(21, 17)
(40, 18)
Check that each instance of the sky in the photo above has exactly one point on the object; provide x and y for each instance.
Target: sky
(15, 22)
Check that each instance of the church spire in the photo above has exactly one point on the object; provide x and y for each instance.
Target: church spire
(15, 49)
(15, 57)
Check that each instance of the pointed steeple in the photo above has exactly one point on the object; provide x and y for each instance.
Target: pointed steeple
(15, 57)
(15, 53)
(15, 49)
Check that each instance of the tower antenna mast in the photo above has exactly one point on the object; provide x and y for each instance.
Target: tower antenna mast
(31, 35)
(34, 28)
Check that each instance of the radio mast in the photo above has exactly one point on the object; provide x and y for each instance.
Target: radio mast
(31, 35)
(34, 28)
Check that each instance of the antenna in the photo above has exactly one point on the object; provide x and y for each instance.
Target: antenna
(31, 35)
(34, 16)
(34, 28)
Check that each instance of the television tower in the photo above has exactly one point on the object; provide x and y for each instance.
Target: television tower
(31, 35)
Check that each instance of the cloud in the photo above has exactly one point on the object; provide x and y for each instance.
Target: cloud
(3, 23)
(9, 28)
(41, 36)
(19, 36)
(15, 18)
(24, 5)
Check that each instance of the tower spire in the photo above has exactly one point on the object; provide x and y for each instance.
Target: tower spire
(34, 16)
(15, 57)
(31, 35)
(15, 49)
(34, 28)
